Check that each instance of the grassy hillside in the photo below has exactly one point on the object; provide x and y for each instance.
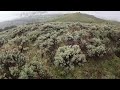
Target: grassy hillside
(61, 50)
(78, 17)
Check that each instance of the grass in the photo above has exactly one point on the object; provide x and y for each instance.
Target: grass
(78, 17)
(102, 69)
(105, 69)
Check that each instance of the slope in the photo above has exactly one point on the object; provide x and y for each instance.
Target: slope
(77, 17)
(85, 18)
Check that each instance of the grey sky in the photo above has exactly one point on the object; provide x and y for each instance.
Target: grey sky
(112, 15)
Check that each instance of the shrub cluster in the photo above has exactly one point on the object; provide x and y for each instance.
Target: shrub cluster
(11, 62)
(67, 57)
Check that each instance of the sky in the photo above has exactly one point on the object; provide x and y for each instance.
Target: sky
(111, 15)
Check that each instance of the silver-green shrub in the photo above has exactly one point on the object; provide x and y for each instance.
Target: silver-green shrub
(35, 69)
(67, 57)
(94, 51)
(11, 63)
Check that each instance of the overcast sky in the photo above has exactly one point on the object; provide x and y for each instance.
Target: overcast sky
(113, 15)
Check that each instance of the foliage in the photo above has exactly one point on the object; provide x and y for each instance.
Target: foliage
(11, 63)
(22, 43)
(64, 45)
(67, 57)
(35, 70)
(98, 51)
(32, 36)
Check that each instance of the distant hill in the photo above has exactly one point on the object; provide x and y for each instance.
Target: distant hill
(79, 17)
(26, 20)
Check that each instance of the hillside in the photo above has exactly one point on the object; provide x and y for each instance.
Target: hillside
(74, 17)
(66, 48)
(80, 17)
(27, 20)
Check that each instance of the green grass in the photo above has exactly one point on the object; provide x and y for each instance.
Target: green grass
(78, 17)
(105, 69)
(102, 69)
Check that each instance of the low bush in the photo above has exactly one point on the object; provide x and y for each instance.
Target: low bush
(94, 51)
(36, 69)
(67, 57)
(22, 42)
(32, 36)
(11, 62)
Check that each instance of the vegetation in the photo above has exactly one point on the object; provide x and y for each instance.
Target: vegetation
(11, 63)
(61, 49)
(69, 56)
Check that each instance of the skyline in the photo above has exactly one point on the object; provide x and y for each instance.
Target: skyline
(111, 15)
